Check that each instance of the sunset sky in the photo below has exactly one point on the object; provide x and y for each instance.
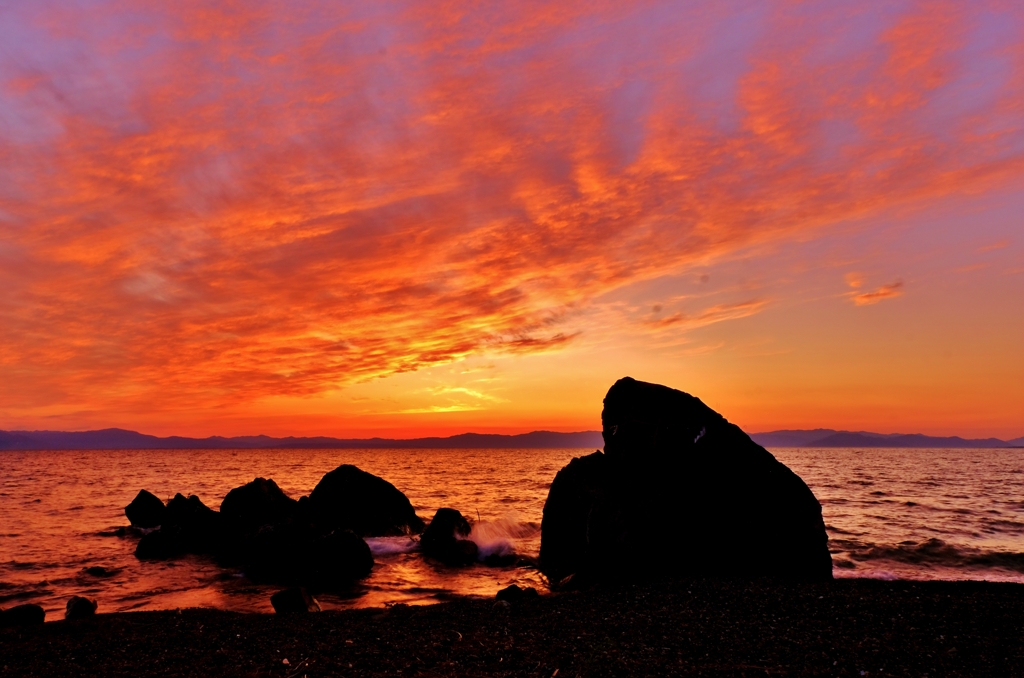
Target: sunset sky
(424, 218)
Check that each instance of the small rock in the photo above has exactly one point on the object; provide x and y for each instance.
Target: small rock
(98, 571)
(80, 608)
(295, 599)
(514, 594)
(502, 606)
(445, 539)
(146, 510)
(22, 615)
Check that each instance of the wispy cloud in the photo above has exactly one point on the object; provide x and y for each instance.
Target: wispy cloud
(213, 203)
(710, 315)
(435, 409)
(884, 292)
(461, 390)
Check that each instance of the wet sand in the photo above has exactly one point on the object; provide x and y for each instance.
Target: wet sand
(705, 627)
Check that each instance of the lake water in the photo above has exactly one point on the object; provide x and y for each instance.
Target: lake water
(913, 514)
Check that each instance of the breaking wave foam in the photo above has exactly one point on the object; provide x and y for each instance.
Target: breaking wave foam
(383, 546)
(499, 537)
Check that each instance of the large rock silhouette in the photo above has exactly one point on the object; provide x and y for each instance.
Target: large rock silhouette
(678, 490)
(257, 503)
(349, 498)
(189, 526)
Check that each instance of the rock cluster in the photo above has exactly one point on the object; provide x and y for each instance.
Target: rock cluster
(678, 490)
(316, 540)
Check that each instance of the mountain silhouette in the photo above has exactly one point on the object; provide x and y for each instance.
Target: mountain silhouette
(830, 438)
(120, 439)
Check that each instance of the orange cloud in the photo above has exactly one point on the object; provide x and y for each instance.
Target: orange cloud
(708, 316)
(208, 204)
(884, 292)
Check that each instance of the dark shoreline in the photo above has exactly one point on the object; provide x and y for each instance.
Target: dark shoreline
(685, 627)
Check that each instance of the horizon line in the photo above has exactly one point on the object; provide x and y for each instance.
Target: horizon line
(474, 433)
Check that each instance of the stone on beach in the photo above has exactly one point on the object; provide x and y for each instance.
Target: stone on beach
(679, 490)
(294, 600)
(352, 499)
(146, 510)
(514, 594)
(28, 614)
(79, 607)
(445, 538)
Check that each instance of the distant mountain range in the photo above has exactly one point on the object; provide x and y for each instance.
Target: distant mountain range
(120, 439)
(826, 437)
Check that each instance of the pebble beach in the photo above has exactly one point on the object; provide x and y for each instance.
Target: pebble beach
(683, 627)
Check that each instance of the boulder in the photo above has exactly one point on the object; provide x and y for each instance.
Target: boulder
(583, 524)
(294, 600)
(22, 615)
(199, 528)
(348, 498)
(445, 539)
(257, 503)
(679, 490)
(189, 526)
(79, 608)
(146, 510)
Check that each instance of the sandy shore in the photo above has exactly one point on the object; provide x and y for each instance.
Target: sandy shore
(709, 628)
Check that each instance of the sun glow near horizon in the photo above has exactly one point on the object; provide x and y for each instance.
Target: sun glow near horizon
(409, 220)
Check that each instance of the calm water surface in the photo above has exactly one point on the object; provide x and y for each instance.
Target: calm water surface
(914, 514)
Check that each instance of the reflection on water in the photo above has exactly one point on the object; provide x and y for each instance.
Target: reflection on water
(61, 509)
(890, 513)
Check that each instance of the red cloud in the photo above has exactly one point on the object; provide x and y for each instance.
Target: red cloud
(210, 203)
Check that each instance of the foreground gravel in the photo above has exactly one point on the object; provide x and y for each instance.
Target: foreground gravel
(706, 627)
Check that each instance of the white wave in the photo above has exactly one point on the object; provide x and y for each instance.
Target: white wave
(384, 546)
(498, 537)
